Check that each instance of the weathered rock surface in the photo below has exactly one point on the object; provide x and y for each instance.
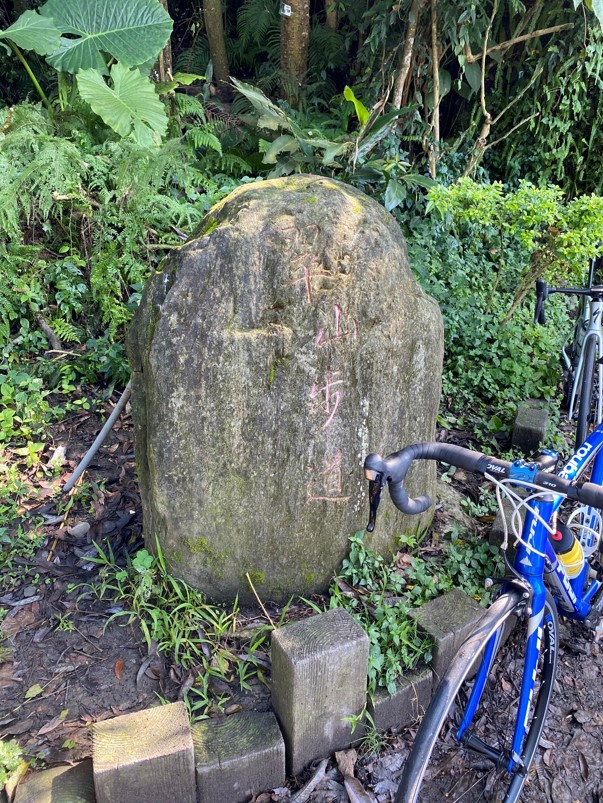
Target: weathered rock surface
(283, 342)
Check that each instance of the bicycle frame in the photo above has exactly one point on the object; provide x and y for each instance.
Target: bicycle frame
(591, 327)
(537, 565)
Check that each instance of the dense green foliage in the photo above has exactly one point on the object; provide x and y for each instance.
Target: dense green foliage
(478, 254)
(95, 188)
(85, 220)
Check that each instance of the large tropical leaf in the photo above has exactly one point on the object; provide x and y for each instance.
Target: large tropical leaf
(271, 117)
(597, 7)
(131, 107)
(131, 31)
(33, 32)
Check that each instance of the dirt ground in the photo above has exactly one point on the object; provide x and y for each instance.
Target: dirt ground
(61, 669)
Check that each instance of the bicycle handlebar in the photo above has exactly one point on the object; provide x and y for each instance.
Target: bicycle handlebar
(543, 291)
(393, 469)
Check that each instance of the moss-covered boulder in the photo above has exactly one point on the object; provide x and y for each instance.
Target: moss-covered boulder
(283, 342)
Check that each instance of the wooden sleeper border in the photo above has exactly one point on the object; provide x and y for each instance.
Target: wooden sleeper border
(319, 670)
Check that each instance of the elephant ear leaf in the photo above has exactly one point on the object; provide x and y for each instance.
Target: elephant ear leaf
(132, 32)
(33, 32)
(131, 107)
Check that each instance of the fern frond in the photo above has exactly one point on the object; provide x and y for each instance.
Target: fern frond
(254, 19)
(66, 331)
(234, 165)
(272, 44)
(196, 58)
(189, 106)
(218, 115)
(36, 170)
(201, 138)
(326, 50)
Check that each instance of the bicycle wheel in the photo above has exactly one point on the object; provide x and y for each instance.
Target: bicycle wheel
(586, 412)
(440, 767)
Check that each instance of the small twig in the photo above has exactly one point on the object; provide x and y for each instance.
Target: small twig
(307, 790)
(508, 134)
(255, 594)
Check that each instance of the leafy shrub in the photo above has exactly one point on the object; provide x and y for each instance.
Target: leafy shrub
(477, 254)
(11, 756)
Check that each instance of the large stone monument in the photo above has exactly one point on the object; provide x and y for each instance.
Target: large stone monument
(282, 343)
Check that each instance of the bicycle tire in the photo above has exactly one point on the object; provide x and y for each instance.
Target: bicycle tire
(585, 403)
(439, 767)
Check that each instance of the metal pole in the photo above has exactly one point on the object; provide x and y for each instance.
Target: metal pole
(100, 438)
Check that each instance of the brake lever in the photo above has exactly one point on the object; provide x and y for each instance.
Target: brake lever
(375, 488)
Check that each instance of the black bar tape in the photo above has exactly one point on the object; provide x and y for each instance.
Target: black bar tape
(395, 466)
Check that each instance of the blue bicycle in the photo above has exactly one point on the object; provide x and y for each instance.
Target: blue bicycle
(479, 735)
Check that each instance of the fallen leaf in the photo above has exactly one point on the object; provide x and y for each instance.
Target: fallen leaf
(17, 728)
(54, 723)
(346, 761)
(347, 589)
(584, 771)
(403, 560)
(41, 633)
(356, 792)
(33, 691)
(79, 530)
(58, 457)
(119, 668)
(20, 618)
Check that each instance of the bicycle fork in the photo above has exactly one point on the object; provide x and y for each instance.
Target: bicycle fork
(530, 561)
(595, 330)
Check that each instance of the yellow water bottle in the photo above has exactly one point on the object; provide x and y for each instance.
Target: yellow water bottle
(568, 549)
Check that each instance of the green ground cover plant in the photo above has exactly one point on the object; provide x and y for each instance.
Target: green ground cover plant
(11, 757)
(379, 592)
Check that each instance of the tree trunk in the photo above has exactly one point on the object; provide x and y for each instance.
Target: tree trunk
(164, 66)
(434, 152)
(331, 13)
(403, 73)
(295, 36)
(214, 26)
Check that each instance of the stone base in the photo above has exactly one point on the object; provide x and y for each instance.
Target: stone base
(319, 672)
(530, 426)
(145, 757)
(58, 785)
